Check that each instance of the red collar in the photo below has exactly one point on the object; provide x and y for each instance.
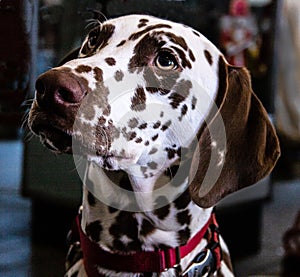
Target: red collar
(143, 261)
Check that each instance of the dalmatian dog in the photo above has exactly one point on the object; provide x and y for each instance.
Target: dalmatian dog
(167, 128)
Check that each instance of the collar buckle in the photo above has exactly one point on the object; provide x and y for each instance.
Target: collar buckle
(203, 265)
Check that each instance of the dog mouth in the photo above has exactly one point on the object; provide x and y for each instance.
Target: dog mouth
(55, 139)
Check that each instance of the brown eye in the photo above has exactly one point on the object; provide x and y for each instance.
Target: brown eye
(93, 38)
(166, 61)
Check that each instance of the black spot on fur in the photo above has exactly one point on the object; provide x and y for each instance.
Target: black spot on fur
(184, 217)
(139, 140)
(164, 209)
(125, 224)
(184, 235)
(183, 200)
(194, 102)
(91, 199)
(196, 33)
(166, 125)
(154, 138)
(93, 230)
(184, 110)
(172, 152)
(112, 209)
(156, 125)
(147, 228)
(143, 126)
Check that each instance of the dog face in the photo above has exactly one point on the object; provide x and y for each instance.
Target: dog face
(132, 93)
(141, 91)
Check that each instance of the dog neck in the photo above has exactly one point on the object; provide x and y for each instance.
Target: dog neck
(121, 228)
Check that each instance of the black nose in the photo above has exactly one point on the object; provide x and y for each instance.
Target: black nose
(58, 90)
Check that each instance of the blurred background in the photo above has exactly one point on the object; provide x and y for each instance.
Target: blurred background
(40, 192)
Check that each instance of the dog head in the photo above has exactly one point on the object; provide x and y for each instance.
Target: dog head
(142, 93)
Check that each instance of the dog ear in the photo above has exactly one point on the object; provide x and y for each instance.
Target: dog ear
(73, 54)
(237, 146)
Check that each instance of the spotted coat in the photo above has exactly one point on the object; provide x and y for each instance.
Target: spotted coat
(140, 92)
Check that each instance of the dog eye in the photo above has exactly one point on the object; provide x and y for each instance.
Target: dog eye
(93, 38)
(166, 61)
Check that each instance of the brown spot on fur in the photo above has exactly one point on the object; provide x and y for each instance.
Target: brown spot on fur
(121, 43)
(83, 68)
(177, 40)
(98, 74)
(148, 29)
(184, 60)
(191, 55)
(147, 143)
(110, 61)
(152, 165)
(182, 91)
(138, 101)
(208, 56)
(142, 24)
(101, 120)
(119, 75)
(144, 20)
(133, 122)
(104, 135)
(142, 54)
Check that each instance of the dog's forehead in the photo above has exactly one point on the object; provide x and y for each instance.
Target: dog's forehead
(131, 28)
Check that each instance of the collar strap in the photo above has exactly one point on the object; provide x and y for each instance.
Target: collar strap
(143, 261)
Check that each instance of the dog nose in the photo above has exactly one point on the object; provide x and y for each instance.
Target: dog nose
(58, 90)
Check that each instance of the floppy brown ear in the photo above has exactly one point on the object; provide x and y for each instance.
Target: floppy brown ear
(244, 152)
